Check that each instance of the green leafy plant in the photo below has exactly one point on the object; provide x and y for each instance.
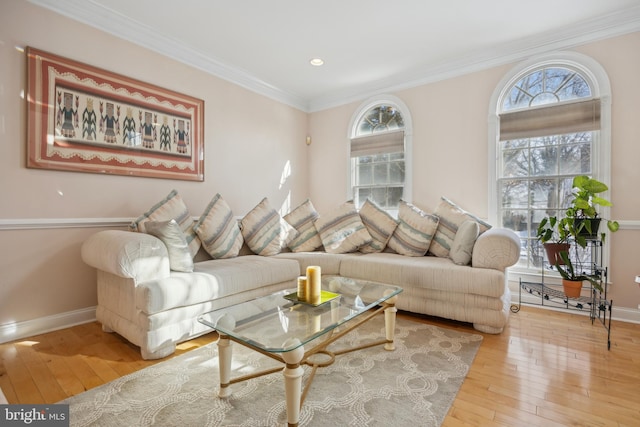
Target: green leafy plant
(552, 230)
(568, 272)
(586, 198)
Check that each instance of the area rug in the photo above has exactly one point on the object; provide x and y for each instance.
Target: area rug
(413, 385)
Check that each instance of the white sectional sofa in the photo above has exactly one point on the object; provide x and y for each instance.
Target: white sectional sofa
(143, 298)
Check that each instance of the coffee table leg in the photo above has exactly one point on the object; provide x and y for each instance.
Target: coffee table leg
(293, 384)
(224, 355)
(390, 326)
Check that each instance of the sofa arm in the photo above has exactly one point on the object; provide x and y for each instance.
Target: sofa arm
(138, 256)
(496, 248)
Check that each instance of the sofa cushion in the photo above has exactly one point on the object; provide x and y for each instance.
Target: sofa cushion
(379, 224)
(214, 279)
(302, 219)
(169, 232)
(342, 230)
(219, 230)
(264, 231)
(415, 230)
(328, 263)
(462, 246)
(171, 207)
(451, 217)
(424, 272)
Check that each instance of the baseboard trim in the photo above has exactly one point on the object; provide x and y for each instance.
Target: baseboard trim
(29, 328)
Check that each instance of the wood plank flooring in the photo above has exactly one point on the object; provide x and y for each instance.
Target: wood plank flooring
(547, 368)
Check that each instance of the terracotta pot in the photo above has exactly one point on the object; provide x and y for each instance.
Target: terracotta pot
(553, 252)
(572, 288)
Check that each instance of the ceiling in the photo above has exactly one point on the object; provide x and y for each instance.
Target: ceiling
(368, 47)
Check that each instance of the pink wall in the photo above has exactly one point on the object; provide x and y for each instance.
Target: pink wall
(450, 151)
(42, 274)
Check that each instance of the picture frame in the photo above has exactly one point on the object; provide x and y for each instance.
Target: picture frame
(85, 119)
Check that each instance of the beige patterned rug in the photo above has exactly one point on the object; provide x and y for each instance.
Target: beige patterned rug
(413, 385)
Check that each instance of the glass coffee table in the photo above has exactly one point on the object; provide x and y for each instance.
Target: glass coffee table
(279, 326)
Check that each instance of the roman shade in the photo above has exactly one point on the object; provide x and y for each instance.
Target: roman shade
(377, 143)
(556, 119)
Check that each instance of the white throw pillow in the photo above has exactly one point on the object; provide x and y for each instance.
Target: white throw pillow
(462, 246)
(302, 219)
(169, 232)
(342, 230)
(415, 230)
(219, 230)
(379, 224)
(171, 207)
(265, 232)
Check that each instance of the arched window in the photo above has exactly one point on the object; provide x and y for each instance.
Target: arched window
(551, 124)
(379, 153)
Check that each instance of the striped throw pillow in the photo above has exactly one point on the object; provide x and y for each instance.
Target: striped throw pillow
(342, 230)
(171, 207)
(451, 217)
(379, 224)
(219, 230)
(415, 231)
(265, 232)
(302, 218)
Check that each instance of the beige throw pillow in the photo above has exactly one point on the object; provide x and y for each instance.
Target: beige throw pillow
(265, 232)
(302, 219)
(342, 230)
(415, 230)
(218, 230)
(171, 207)
(379, 224)
(451, 218)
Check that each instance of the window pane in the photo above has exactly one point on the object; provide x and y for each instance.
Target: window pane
(396, 156)
(394, 195)
(515, 194)
(381, 173)
(515, 163)
(544, 194)
(364, 175)
(516, 220)
(396, 172)
(544, 161)
(362, 195)
(379, 195)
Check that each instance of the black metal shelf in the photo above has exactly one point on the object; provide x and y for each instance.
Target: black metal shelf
(594, 301)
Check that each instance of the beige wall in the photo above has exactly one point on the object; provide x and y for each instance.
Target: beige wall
(41, 273)
(450, 151)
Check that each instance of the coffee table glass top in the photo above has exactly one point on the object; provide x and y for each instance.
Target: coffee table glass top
(276, 324)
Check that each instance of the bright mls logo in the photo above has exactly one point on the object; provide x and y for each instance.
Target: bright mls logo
(34, 415)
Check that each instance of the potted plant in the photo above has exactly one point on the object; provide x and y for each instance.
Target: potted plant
(554, 235)
(572, 279)
(584, 218)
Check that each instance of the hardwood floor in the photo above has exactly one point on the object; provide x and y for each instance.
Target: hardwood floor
(547, 368)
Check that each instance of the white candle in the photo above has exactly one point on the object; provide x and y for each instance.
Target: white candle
(314, 281)
(302, 288)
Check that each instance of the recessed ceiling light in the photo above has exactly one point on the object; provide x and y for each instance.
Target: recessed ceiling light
(316, 62)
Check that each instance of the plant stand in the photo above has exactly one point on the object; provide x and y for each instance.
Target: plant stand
(592, 301)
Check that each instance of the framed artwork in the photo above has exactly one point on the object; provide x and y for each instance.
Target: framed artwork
(81, 118)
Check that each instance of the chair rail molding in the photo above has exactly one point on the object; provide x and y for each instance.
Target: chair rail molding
(48, 223)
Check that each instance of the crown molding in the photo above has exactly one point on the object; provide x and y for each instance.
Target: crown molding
(107, 20)
(122, 26)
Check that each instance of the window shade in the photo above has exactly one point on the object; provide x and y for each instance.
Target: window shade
(377, 143)
(554, 120)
